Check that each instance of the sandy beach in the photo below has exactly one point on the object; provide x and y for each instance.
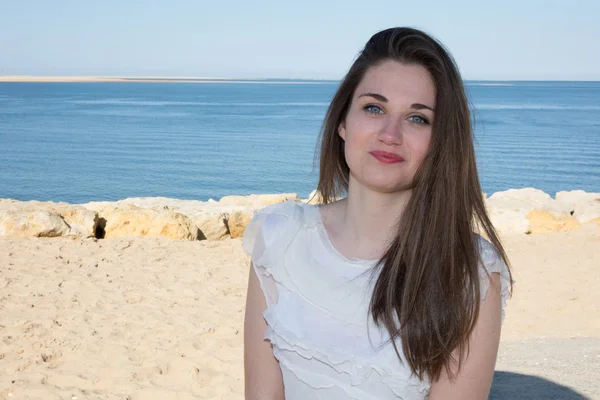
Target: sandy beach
(154, 318)
(155, 79)
(138, 140)
(37, 78)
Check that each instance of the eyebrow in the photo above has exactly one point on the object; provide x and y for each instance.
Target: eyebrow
(416, 106)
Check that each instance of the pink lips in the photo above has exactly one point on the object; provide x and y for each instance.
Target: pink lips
(387, 158)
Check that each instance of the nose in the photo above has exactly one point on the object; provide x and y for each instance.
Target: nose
(391, 131)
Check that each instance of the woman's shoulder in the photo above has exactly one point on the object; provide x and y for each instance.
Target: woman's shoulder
(489, 256)
(275, 221)
(271, 233)
(289, 212)
(490, 261)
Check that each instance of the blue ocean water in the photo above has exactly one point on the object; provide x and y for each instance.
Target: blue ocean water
(80, 142)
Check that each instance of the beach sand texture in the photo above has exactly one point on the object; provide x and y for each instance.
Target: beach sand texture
(153, 318)
(155, 79)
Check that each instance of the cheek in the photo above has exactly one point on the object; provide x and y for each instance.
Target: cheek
(420, 146)
(358, 133)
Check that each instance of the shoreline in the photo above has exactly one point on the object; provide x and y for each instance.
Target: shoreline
(153, 79)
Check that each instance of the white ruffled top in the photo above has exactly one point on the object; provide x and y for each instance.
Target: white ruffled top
(317, 310)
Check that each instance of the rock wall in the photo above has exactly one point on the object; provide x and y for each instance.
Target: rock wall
(515, 211)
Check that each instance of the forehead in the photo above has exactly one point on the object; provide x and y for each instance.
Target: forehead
(399, 82)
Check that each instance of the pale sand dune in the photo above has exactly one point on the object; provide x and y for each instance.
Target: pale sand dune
(159, 319)
(156, 79)
(35, 78)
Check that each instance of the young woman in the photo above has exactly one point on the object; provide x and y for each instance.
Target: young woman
(384, 291)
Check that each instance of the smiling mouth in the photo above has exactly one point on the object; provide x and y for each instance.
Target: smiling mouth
(387, 158)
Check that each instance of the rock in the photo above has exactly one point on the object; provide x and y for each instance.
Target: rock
(81, 221)
(214, 220)
(541, 221)
(238, 220)
(129, 220)
(314, 198)
(509, 211)
(509, 222)
(244, 207)
(32, 223)
(209, 217)
(257, 201)
(212, 226)
(585, 207)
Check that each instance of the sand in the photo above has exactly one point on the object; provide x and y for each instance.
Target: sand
(150, 318)
(36, 78)
(155, 79)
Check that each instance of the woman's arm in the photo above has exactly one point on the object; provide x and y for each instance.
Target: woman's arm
(477, 371)
(263, 380)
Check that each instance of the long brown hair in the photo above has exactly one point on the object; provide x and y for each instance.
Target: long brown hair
(427, 292)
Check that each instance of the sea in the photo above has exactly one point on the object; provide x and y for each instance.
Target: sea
(82, 142)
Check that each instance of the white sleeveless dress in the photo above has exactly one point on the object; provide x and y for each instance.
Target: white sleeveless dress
(317, 310)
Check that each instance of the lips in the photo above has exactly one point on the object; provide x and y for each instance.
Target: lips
(387, 158)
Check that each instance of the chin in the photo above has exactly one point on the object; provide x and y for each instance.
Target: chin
(384, 182)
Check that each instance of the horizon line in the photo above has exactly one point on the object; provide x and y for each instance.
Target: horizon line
(196, 79)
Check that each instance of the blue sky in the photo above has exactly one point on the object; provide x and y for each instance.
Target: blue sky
(499, 40)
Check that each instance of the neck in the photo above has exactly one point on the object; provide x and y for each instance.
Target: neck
(369, 219)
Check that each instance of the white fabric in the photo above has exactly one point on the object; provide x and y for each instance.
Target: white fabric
(317, 310)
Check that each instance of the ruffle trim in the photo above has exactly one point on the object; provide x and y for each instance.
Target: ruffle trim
(321, 382)
(266, 239)
(358, 369)
(491, 262)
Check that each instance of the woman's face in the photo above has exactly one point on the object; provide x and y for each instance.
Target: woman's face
(392, 111)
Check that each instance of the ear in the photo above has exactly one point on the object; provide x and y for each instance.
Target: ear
(342, 130)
